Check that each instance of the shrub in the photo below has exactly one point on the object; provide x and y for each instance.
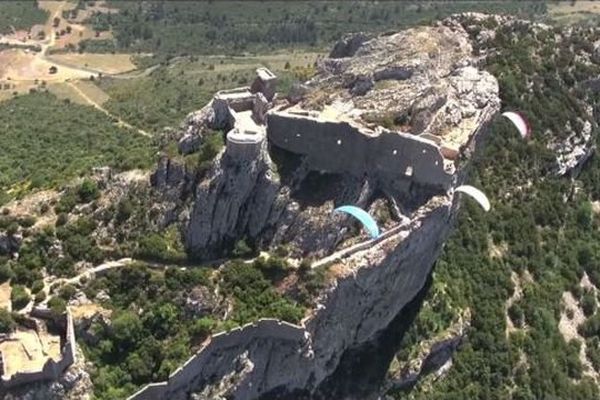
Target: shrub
(37, 286)
(124, 210)
(57, 305)
(515, 312)
(7, 322)
(40, 296)
(66, 203)
(12, 229)
(27, 222)
(62, 219)
(241, 249)
(19, 297)
(203, 327)
(88, 191)
(67, 292)
(44, 208)
(5, 273)
(588, 303)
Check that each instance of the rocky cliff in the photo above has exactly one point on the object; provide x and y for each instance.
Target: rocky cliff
(423, 82)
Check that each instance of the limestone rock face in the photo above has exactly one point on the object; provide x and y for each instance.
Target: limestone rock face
(424, 81)
(348, 45)
(200, 302)
(189, 143)
(10, 244)
(574, 151)
(168, 173)
(268, 201)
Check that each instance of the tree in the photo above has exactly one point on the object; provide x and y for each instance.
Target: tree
(88, 191)
(241, 249)
(127, 330)
(19, 297)
(588, 303)
(7, 322)
(5, 273)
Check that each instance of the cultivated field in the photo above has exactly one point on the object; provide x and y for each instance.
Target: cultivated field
(22, 65)
(569, 12)
(105, 63)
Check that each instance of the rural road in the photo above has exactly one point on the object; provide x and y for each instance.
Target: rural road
(119, 121)
(42, 55)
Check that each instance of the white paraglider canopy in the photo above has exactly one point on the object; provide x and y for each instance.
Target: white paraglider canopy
(520, 123)
(476, 194)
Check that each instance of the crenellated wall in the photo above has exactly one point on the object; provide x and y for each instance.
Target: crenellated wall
(342, 147)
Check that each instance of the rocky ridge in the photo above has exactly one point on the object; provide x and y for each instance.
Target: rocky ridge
(439, 94)
(276, 198)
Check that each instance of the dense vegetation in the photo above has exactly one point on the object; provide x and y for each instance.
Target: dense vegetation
(46, 142)
(151, 331)
(154, 327)
(22, 14)
(543, 227)
(179, 27)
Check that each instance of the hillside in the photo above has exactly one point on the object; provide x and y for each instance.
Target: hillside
(172, 209)
(510, 269)
(173, 27)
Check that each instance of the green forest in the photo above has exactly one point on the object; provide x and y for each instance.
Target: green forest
(46, 142)
(546, 230)
(153, 331)
(215, 27)
(21, 14)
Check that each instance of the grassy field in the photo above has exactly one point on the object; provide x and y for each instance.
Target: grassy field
(20, 15)
(571, 12)
(63, 91)
(105, 63)
(47, 142)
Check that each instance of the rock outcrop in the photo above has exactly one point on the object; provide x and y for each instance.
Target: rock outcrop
(270, 199)
(10, 244)
(281, 196)
(574, 151)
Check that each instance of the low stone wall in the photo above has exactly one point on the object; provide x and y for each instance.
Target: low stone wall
(341, 147)
(52, 369)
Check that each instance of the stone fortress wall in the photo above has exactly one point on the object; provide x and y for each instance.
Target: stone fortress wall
(380, 277)
(301, 357)
(220, 346)
(339, 146)
(52, 369)
(246, 112)
(243, 111)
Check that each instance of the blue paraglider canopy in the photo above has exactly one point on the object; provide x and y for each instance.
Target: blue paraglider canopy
(363, 216)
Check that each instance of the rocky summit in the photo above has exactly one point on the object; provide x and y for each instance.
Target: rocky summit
(302, 201)
(389, 124)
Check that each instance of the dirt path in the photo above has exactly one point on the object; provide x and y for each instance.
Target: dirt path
(120, 122)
